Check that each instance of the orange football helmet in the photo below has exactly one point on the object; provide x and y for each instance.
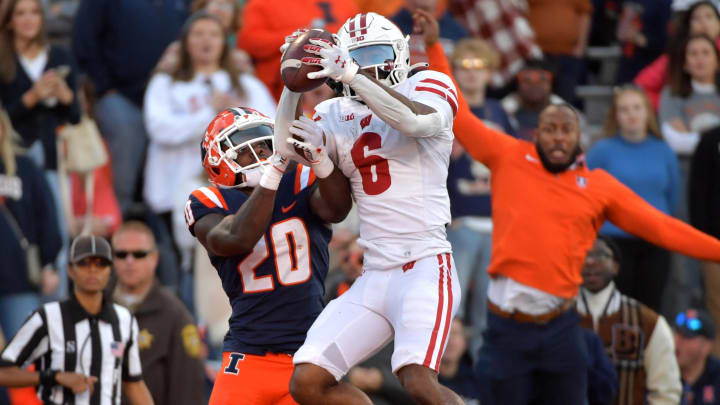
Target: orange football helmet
(228, 133)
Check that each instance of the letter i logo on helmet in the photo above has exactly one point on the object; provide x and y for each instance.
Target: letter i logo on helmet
(231, 144)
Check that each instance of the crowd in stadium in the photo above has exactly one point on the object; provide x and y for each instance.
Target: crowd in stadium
(103, 107)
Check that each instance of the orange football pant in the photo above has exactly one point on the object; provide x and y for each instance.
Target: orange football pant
(253, 380)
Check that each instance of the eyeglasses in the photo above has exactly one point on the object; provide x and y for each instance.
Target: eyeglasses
(97, 261)
(471, 63)
(138, 254)
(688, 321)
(535, 76)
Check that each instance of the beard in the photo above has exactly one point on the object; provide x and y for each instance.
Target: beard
(556, 168)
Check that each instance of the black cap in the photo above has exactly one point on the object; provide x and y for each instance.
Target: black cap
(90, 246)
(695, 322)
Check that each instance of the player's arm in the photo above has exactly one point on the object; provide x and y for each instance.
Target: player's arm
(238, 233)
(408, 117)
(634, 215)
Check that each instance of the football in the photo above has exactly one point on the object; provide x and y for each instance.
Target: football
(293, 72)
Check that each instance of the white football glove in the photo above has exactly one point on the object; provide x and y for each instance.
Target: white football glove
(334, 59)
(312, 145)
(291, 38)
(273, 173)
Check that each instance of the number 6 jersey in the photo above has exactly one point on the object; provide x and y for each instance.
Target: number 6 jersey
(276, 291)
(398, 182)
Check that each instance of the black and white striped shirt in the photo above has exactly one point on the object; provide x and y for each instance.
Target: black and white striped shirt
(63, 336)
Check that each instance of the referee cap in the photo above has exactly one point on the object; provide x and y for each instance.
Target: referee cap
(90, 246)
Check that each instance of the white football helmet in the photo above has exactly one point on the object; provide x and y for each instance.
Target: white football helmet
(378, 45)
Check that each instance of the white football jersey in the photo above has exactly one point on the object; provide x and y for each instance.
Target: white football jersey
(398, 182)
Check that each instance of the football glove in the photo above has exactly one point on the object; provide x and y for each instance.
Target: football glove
(334, 59)
(312, 145)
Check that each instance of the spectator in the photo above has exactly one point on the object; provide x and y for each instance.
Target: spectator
(267, 22)
(639, 340)
(642, 33)
(450, 29)
(180, 104)
(694, 334)
(469, 187)
(456, 369)
(26, 213)
(563, 44)
(534, 93)
(631, 137)
(65, 340)
(117, 44)
(691, 103)
(229, 13)
(168, 339)
(702, 17)
(504, 25)
(704, 200)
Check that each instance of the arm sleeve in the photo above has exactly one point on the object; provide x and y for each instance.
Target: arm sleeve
(633, 215)
(398, 115)
(661, 368)
(185, 383)
(165, 125)
(29, 344)
(87, 35)
(652, 79)
(257, 36)
(132, 367)
(482, 143)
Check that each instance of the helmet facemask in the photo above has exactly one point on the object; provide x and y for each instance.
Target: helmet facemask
(233, 142)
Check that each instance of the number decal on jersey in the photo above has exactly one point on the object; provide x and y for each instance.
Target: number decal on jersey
(374, 169)
(291, 244)
(189, 218)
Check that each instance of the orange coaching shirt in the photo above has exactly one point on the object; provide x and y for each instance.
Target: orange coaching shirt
(544, 223)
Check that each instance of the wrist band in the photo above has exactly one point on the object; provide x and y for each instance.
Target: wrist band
(47, 377)
(271, 178)
(323, 168)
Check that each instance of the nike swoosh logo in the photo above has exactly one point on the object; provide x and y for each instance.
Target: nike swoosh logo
(288, 208)
(530, 158)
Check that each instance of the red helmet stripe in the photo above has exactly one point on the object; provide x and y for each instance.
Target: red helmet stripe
(363, 24)
(351, 27)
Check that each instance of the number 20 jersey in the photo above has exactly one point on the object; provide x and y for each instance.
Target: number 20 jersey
(276, 291)
(398, 182)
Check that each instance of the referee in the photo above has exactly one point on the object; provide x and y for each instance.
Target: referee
(85, 347)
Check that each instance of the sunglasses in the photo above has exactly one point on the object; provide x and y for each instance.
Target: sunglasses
(138, 254)
(689, 322)
(535, 76)
(97, 261)
(471, 63)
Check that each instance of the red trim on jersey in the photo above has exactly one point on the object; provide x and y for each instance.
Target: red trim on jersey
(219, 196)
(204, 199)
(450, 101)
(441, 84)
(448, 312)
(438, 316)
(363, 24)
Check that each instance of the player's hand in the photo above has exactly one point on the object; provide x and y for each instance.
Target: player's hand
(312, 144)
(334, 59)
(426, 24)
(291, 38)
(76, 382)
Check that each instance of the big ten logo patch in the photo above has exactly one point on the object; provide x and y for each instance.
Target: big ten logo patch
(627, 343)
(234, 359)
